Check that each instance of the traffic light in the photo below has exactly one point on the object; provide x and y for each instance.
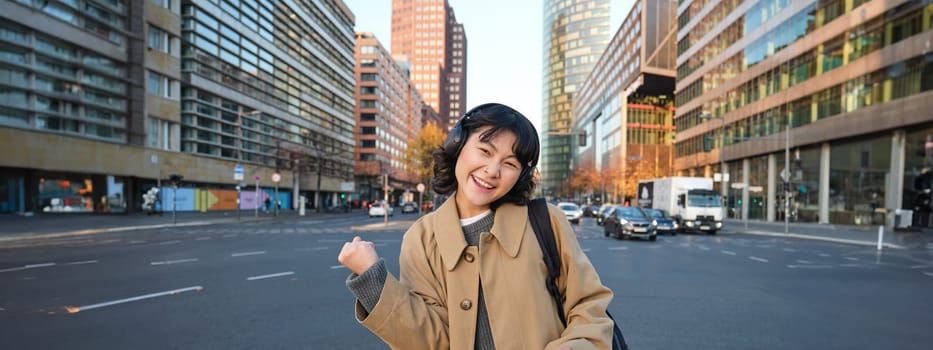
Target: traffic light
(175, 179)
(740, 202)
(343, 196)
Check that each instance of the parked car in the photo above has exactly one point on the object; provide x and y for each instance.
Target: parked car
(590, 210)
(628, 222)
(572, 210)
(409, 207)
(666, 223)
(379, 209)
(601, 214)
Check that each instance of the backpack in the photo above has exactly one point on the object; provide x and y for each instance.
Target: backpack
(541, 223)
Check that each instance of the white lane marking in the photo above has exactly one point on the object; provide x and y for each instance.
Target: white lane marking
(825, 255)
(337, 267)
(169, 242)
(230, 235)
(809, 266)
(703, 247)
(33, 266)
(82, 262)
(136, 242)
(73, 309)
(851, 258)
(758, 259)
(270, 276)
(379, 245)
(320, 248)
(618, 248)
(586, 250)
(728, 252)
(790, 250)
(236, 255)
(928, 273)
(13, 269)
(169, 262)
(804, 261)
(202, 238)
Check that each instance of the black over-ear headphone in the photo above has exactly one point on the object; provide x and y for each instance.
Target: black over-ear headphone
(458, 135)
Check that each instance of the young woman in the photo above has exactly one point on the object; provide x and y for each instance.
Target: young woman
(472, 275)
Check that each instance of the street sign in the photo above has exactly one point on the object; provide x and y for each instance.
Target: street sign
(755, 188)
(257, 177)
(737, 185)
(154, 158)
(785, 175)
(420, 187)
(276, 177)
(238, 172)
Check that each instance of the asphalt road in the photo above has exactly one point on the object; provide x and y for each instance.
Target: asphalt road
(278, 285)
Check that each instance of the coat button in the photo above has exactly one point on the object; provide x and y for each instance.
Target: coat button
(468, 257)
(466, 304)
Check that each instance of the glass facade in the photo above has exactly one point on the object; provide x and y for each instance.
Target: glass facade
(51, 85)
(301, 69)
(859, 173)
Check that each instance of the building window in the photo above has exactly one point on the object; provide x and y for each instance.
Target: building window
(160, 134)
(167, 4)
(161, 85)
(160, 40)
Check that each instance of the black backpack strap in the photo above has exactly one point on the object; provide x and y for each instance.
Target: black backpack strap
(541, 223)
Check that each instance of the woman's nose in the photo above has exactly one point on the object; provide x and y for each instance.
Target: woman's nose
(492, 170)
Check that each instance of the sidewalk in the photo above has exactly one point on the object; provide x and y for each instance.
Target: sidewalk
(849, 234)
(42, 226)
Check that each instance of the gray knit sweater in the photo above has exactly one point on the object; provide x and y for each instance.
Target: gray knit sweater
(368, 286)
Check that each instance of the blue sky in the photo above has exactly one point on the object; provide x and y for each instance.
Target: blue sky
(503, 46)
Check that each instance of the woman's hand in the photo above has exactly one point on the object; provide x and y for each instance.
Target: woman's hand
(358, 255)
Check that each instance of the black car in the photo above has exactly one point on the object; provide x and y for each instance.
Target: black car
(628, 222)
(409, 207)
(666, 223)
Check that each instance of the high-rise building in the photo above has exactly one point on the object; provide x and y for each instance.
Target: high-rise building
(624, 110)
(816, 109)
(428, 33)
(106, 99)
(389, 117)
(575, 35)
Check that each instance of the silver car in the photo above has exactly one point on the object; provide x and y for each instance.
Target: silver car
(572, 210)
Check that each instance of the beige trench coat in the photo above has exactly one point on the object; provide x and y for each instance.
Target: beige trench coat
(433, 304)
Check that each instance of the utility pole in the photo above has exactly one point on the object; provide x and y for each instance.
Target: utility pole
(787, 170)
(238, 171)
(385, 200)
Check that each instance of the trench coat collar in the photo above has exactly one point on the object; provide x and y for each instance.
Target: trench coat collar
(509, 225)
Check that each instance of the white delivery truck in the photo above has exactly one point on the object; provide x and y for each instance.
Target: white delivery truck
(690, 200)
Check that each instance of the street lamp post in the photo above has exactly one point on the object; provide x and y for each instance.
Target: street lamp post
(239, 159)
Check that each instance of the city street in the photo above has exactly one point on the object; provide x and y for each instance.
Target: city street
(276, 284)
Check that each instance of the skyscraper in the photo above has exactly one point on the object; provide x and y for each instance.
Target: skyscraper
(428, 33)
(576, 33)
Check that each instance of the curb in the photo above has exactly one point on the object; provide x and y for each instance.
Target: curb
(821, 238)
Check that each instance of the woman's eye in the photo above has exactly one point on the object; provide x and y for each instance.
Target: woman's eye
(511, 165)
(485, 151)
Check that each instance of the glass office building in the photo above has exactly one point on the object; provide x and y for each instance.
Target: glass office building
(575, 34)
(817, 109)
(108, 98)
(625, 107)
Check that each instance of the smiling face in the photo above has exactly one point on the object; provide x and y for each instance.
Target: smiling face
(485, 170)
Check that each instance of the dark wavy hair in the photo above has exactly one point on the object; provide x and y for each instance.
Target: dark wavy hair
(500, 118)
